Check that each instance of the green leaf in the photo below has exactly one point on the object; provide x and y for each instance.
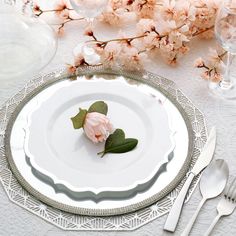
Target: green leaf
(99, 106)
(116, 143)
(115, 138)
(125, 146)
(78, 120)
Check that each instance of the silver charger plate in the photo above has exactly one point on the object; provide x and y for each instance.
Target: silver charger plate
(194, 120)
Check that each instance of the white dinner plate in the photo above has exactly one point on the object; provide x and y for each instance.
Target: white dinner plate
(69, 159)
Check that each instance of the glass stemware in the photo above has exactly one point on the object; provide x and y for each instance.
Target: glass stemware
(225, 31)
(89, 9)
(27, 44)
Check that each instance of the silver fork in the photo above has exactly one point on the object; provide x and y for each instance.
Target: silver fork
(225, 206)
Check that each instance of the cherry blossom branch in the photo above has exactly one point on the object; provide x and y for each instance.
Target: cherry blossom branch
(222, 55)
(67, 20)
(203, 31)
(169, 33)
(128, 40)
(212, 66)
(62, 10)
(38, 11)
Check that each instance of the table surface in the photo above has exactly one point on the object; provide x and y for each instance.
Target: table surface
(218, 112)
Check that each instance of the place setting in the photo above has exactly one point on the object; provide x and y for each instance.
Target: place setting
(102, 144)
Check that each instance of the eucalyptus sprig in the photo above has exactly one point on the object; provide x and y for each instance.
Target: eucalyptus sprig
(117, 143)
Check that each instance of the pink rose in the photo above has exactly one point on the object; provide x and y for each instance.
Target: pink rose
(97, 127)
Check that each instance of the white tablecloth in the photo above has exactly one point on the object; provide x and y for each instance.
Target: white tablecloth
(18, 222)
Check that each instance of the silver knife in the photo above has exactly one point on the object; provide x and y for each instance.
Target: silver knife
(203, 160)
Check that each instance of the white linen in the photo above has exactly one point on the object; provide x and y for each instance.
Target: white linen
(16, 221)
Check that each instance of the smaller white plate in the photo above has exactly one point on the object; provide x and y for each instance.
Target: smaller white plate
(67, 160)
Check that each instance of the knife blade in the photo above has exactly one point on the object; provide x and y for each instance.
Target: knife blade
(203, 161)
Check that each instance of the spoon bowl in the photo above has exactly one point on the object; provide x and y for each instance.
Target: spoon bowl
(214, 179)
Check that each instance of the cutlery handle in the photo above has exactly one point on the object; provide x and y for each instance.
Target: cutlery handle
(194, 217)
(212, 225)
(175, 211)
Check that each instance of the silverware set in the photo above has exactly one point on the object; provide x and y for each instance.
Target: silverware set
(226, 205)
(212, 184)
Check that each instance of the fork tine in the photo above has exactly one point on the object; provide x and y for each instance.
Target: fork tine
(234, 193)
(227, 188)
(231, 189)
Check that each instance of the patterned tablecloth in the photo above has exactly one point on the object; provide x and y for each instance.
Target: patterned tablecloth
(16, 221)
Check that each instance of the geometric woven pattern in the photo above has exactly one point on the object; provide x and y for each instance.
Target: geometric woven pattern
(69, 221)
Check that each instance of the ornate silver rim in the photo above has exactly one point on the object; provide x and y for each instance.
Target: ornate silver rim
(165, 86)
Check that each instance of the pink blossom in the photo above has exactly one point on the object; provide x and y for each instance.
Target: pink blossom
(216, 77)
(61, 8)
(71, 69)
(177, 38)
(79, 60)
(60, 32)
(97, 127)
(205, 13)
(205, 75)
(184, 49)
(199, 62)
(36, 9)
(214, 59)
(110, 17)
(145, 25)
(168, 9)
(111, 52)
(118, 17)
(88, 31)
(164, 27)
(152, 40)
(131, 58)
(144, 8)
(212, 76)
(185, 12)
(115, 4)
(172, 61)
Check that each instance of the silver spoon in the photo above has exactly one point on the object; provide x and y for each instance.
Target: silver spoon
(212, 184)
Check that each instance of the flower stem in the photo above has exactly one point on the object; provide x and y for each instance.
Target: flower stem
(101, 153)
(67, 21)
(203, 31)
(51, 10)
(222, 55)
(120, 39)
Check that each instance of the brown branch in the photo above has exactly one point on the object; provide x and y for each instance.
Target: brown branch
(146, 50)
(143, 4)
(94, 37)
(222, 55)
(128, 40)
(51, 10)
(61, 25)
(203, 31)
(204, 66)
(123, 39)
